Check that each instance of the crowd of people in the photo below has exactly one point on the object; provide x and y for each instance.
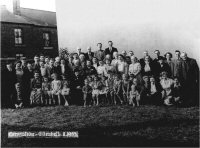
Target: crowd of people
(104, 77)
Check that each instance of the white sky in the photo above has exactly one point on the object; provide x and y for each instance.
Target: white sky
(48, 5)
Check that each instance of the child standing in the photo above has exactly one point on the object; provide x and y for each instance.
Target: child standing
(87, 93)
(125, 87)
(65, 92)
(177, 91)
(46, 88)
(56, 89)
(103, 91)
(117, 89)
(95, 92)
(109, 88)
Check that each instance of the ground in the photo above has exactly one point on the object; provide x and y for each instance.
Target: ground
(105, 126)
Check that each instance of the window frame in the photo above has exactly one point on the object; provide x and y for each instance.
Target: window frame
(21, 36)
(49, 33)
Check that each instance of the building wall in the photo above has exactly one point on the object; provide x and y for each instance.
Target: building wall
(32, 40)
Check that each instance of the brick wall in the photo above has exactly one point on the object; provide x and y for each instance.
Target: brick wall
(32, 40)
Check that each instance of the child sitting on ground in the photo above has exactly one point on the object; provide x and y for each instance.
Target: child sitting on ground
(177, 91)
(134, 96)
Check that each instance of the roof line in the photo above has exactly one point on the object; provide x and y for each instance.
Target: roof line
(38, 9)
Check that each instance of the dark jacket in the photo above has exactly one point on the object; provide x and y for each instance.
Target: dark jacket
(89, 57)
(107, 51)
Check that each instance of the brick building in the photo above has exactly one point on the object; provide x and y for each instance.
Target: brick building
(26, 32)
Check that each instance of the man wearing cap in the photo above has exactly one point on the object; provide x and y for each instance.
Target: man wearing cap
(110, 49)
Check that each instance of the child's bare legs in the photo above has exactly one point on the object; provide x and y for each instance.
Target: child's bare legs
(93, 98)
(97, 97)
(59, 99)
(66, 102)
(138, 100)
(114, 99)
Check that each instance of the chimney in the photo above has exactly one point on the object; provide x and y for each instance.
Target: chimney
(16, 7)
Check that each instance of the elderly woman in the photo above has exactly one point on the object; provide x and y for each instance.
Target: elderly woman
(135, 69)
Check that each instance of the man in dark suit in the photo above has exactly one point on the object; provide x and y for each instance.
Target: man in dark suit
(190, 71)
(8, 85)
(36, 64)
(89, 55)
(110, 49)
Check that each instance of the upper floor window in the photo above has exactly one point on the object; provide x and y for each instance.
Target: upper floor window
(46, 38)
(18, 36)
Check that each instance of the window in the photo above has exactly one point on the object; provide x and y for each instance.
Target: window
(46, 38)
(18, 36)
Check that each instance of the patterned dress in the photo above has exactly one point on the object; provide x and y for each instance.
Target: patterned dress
(36, 93)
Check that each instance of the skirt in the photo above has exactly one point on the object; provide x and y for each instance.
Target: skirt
(36, 96)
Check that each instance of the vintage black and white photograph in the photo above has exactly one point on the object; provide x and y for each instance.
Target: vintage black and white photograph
(100, 73)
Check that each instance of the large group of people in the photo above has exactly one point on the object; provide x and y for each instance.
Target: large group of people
(104, 77)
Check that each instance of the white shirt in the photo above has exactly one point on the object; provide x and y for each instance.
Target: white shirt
(101, 70)
(134, 68)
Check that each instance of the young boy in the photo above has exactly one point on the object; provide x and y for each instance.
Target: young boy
(109, 88)
(46, 88)
(56, 89)
(87, 93)
(65, 92)
(95, 92)
(134, 96)
(117, 89)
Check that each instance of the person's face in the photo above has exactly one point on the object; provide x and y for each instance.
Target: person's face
(146, 79)
(36, 75)
(146, 53)
(51, 62)
(108, 56)
(75, 56)
(176, 81)
(107, 62)
(36, 59)
(135, 81)
(164, 76)
(124, 53)
(29, 66)
(62, 62)
(47, 60)
(89, 49)
(131, 53)
(177, 55)
(9, 66)
(101, 63)
(124, 77)
(55, 77)
(161, 61)
(45, 79)
(152, 80)
(168, 56)
(18, 65)
(184, 56)
(57, 59)
(94, 60)
(56, 64)
(110, 44)
(99, 46)
(86, 82)
(23, 62)
(147, 58)
(76, 63)
(95, 78)
(82, 57)
(115, 55)
(41, 64)
(88, 63)
(157, 53)
(120, 58)
(64, 78)
(41, 58)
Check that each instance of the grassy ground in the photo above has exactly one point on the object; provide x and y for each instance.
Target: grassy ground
(105, 126)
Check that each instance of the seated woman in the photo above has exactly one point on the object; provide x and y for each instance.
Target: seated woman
(36, 89)
(167, 86)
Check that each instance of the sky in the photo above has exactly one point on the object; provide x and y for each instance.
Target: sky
(48, 5)
(137, 25)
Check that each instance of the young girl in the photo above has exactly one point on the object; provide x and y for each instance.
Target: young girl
(87, 93)
(117, 89)
(134, 96)
(65, 92)
(56, 89)
(95, 92)
(125, 87)
(103, 91)
(46, 88)
(109, 88)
